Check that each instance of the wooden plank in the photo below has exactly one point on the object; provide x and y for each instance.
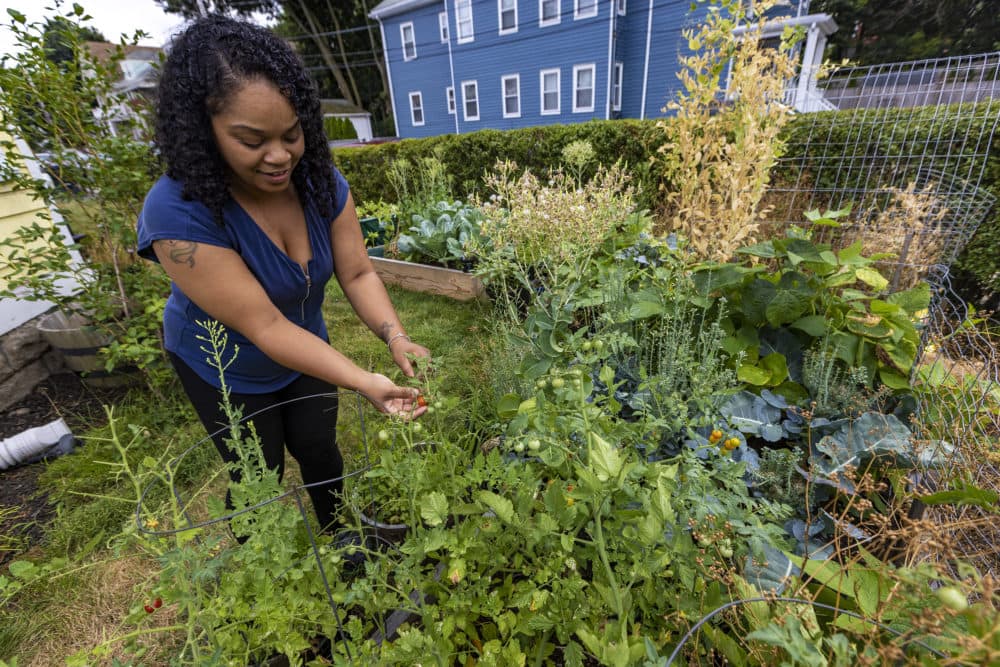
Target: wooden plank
(429, 279)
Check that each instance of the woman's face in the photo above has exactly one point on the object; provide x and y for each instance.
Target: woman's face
(260, 138)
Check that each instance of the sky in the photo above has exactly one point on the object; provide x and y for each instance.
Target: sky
(111, 17)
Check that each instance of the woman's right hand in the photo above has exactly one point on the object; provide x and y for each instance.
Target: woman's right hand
(392, 399)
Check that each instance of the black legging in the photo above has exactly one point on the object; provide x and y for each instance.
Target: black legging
(308, 427)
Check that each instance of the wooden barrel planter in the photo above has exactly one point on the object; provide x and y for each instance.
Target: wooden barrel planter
(80, 343)
(429, 279)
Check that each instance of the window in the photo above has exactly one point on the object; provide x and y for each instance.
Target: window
(508, 16)
(450, 94)
(463, 20)
(550, 91)
(583, 88)
(470, 100)
(416, 108)
(616, 87)
(409, 42)
(584, 9)
(548, 12)
(443, 26)
(621, 7)
(511, 89)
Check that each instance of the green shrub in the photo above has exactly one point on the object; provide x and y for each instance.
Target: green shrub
(339, 128)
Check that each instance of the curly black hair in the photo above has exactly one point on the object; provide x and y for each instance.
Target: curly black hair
(207, 63)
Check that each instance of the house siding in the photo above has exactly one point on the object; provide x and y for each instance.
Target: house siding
(491, 56)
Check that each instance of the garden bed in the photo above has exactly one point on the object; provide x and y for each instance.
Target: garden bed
(430, 279)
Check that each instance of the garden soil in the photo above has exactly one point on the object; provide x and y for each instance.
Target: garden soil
(24, 508)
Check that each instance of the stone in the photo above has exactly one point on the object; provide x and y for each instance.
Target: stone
(22, 346)
(21, 384)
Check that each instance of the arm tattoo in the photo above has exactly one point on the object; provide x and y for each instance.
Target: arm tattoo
(385, 329)
(182, 252)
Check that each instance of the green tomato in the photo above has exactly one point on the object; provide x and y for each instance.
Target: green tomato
(726, 551)
(586, 346)
(534, 445)
(598, 344)
(519, 447)
(438, 405)
(558, 383)
(383, 435)
(417, 427)
(430, 409)
(953, 598)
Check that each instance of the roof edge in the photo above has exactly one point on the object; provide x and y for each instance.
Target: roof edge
(388, 8)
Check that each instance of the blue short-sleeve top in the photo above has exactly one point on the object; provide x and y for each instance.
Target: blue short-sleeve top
(297, 293)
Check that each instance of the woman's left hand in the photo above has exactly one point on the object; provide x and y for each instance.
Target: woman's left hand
(402, 350)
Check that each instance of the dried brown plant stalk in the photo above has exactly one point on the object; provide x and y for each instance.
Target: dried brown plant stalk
(724, 139)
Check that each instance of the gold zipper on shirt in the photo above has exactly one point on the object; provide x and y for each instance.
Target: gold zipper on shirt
(302, 307)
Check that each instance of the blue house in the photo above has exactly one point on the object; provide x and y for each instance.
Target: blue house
(458, 66)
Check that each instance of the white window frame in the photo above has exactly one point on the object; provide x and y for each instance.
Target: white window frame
(443, 26)
(516, 78)
(449, 94)
(541, 87)
(620, 7)
(593, 86)
(577, 14)
(542, 22)
(458, 22)
(465, 100)
(418, 107)
(500, 11)
(413, 39)
(616, 86)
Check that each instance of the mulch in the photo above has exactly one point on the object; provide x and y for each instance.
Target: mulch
(81, 407)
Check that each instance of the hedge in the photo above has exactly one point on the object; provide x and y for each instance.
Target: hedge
(469, 156)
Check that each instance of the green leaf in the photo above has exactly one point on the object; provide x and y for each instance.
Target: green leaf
(23, 569)
(507, 406)
(644, 309)
(966, 494)
(754, 375)
(765, 250)
(777, 366)
(604, 458)
(872, 278)
(914, 299)
(851, 255)
(502, 507)
(16, 15)
(892, 379)
(814, 325)
(434, 508)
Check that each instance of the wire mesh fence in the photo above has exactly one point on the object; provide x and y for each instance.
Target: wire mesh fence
(905, 146)
(959, 381)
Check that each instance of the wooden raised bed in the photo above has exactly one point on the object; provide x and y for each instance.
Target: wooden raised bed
(429, 279)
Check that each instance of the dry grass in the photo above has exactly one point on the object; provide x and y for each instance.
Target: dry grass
(94, 610)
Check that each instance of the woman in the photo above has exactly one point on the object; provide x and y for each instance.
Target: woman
(250, 222)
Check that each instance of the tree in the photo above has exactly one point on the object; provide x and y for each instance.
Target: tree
(336, 33)
(58, 48)
(879, 31)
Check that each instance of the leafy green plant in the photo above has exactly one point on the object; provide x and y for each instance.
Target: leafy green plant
(419, 184)
(807, 295)
(443, 234)
(97, 180)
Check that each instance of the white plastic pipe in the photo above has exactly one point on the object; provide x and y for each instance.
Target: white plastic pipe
(26, 444)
